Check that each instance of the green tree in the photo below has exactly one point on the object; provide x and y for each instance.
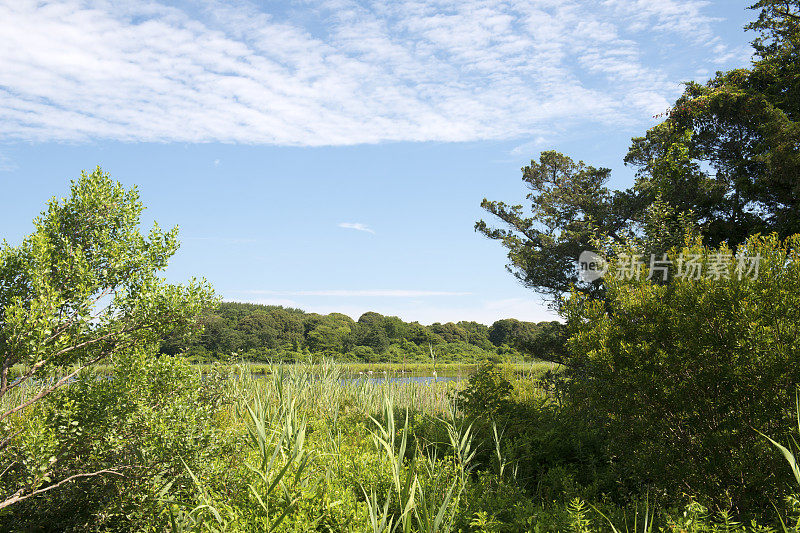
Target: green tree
(570, 206)
(477, 334)
(547, 342)
(421, 335)
(371, 331)
(742, 126)
(723, 164)
(449, 331)
(289, 326)
(512, 332)
(777, 45)
(218, 336)
(258, 330)
(83, 287)
(328, 337)
(395, 328)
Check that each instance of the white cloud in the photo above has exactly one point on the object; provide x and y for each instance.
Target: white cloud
(529, 147)
(356, 226)
(390, 293)
(283, 302)
(686, 18)
(6, 164)
(421, 305)
(332, 72)
(484, 312)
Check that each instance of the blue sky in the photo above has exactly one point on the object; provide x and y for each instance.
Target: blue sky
(332, 155)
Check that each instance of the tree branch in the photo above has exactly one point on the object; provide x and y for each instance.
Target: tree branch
(18, 496)
(8, 440)
(47, 390)
(72, 348)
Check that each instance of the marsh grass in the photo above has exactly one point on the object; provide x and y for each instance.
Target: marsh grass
(319, 450)
(326, 453)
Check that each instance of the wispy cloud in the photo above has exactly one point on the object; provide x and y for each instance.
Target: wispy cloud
(529, 147)
(426, 312)
(341, 72)
(225, 240)
(380, 293)
(273, 301)
(356, 226)
(6, 164)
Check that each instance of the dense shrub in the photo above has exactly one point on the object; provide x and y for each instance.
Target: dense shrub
(680, 375)
(487, 392)
(519, 425)
(140, 423)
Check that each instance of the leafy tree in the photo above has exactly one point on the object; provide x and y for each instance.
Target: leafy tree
(547, 342)
(290, 328)
(328, 337)
(477, 334)
(258, 329)
(395, 328)
(777, 45)
(512, 332)
(422, 336)
(449, 331)
(503, 331)
(370, 331)
(742, 125)
(570, 206)
(219, 338)
(140, 422)
(724, 165)
(83, 287)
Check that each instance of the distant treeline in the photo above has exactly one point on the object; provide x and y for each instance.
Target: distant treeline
(262, 333)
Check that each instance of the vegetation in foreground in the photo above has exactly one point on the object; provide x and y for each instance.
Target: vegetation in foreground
(151, 443)
(300, 451)
(674, 410)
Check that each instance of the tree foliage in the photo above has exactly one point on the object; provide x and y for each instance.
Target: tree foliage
(260, 333)
(82, 287)
(569, 202)
(681, 375)
(723, 164)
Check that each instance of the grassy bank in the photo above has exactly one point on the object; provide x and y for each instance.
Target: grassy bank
(523, 369)
(530, 370)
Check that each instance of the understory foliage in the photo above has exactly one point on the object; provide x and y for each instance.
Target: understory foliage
(83, 287)
(139, 425)
(681, 377)
(295, 451)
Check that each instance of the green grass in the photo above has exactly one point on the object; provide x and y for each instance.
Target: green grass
(377, 456)
(525, 369)
(310, 451)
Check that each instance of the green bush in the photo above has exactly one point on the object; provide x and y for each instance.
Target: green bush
(680, 375)
(487, 392)
(140, 423)
(517, 424)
